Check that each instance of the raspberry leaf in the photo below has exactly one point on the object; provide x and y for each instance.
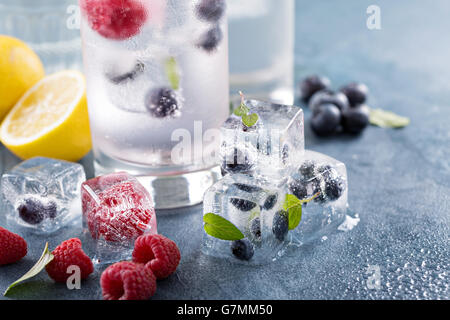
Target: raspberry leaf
(387, 119)
(220, 228)
(172, 73)
(45, 259)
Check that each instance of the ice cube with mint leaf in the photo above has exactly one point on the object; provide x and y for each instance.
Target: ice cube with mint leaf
(269, 135)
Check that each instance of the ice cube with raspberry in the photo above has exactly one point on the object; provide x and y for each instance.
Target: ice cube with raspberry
(117, 209)
(43, 194)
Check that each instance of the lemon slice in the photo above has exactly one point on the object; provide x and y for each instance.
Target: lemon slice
(50, 120)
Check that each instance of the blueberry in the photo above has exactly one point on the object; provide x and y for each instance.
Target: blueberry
(285, 154)
(356, 119)
(356, 93)
(162, 102)
(270, 202)
(334, 188)
(255, 228)
(211, 39)
(31, 211)
(50, 210)
(236, 161)
(328, 97)
(243, 205)
(211, 10)
(242, 249)
(308, 169)
(280, 225)
(299, 188)
(247, 188)
(131, 75)
(312, 84)
(326, 119)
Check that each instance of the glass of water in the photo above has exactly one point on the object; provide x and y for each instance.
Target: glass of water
(50, 27)
(158, 90)
(262, 48)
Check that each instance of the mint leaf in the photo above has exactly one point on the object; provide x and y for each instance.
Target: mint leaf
(172, 73)
(294, 208)
(387, 119)
(291, 201)
(242, 110)
(45, 259)
(295, 216)
(250, 120)
(221, 228)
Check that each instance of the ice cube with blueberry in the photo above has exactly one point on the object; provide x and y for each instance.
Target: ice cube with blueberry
(325, 179)
(239, 213)
(116, 210)
(258, 219)
(42, 194)
(271, 147)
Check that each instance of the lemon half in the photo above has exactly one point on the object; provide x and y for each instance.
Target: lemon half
(20, 69)
(50, 120)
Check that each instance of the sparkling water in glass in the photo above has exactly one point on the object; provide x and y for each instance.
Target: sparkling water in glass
(49, 27)
(157, 86)
(262, 48)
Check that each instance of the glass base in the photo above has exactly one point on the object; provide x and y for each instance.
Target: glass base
(168, 191)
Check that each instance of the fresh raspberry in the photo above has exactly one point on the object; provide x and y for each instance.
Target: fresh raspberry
(115, 19)
(12, 247)
(121, 212)
(159, 253)
(128, 281)
(69, 253)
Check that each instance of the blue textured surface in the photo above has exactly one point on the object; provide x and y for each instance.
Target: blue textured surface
(399, 179)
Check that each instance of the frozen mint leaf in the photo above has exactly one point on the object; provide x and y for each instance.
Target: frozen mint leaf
(250, 120)
(295, 216)
(172, 73)
(45, 259)
(242, 110)
(387, 119)
(221, 228)
(294, 207)
(291, 201)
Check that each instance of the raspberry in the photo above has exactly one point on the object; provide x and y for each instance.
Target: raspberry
(12, 247)
(115, 19)
(159, 253)
(69, 253)
(127, 281)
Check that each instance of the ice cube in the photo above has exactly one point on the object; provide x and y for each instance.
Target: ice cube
(256, 206)
(250, 205)
(325, 177)
(116, 210)
(275, 144)
(43, 194)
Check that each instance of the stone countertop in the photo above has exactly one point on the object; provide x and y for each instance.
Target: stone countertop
(399, 179)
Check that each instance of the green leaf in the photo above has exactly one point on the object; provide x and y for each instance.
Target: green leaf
(250, 120)
(45, 259)
(294, 207)
(387, 119)
(220, 228)
(172, 73)
(241, 111)
(295, 216)
(291, 201)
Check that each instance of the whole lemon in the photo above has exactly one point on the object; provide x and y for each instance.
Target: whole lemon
(20, 69)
